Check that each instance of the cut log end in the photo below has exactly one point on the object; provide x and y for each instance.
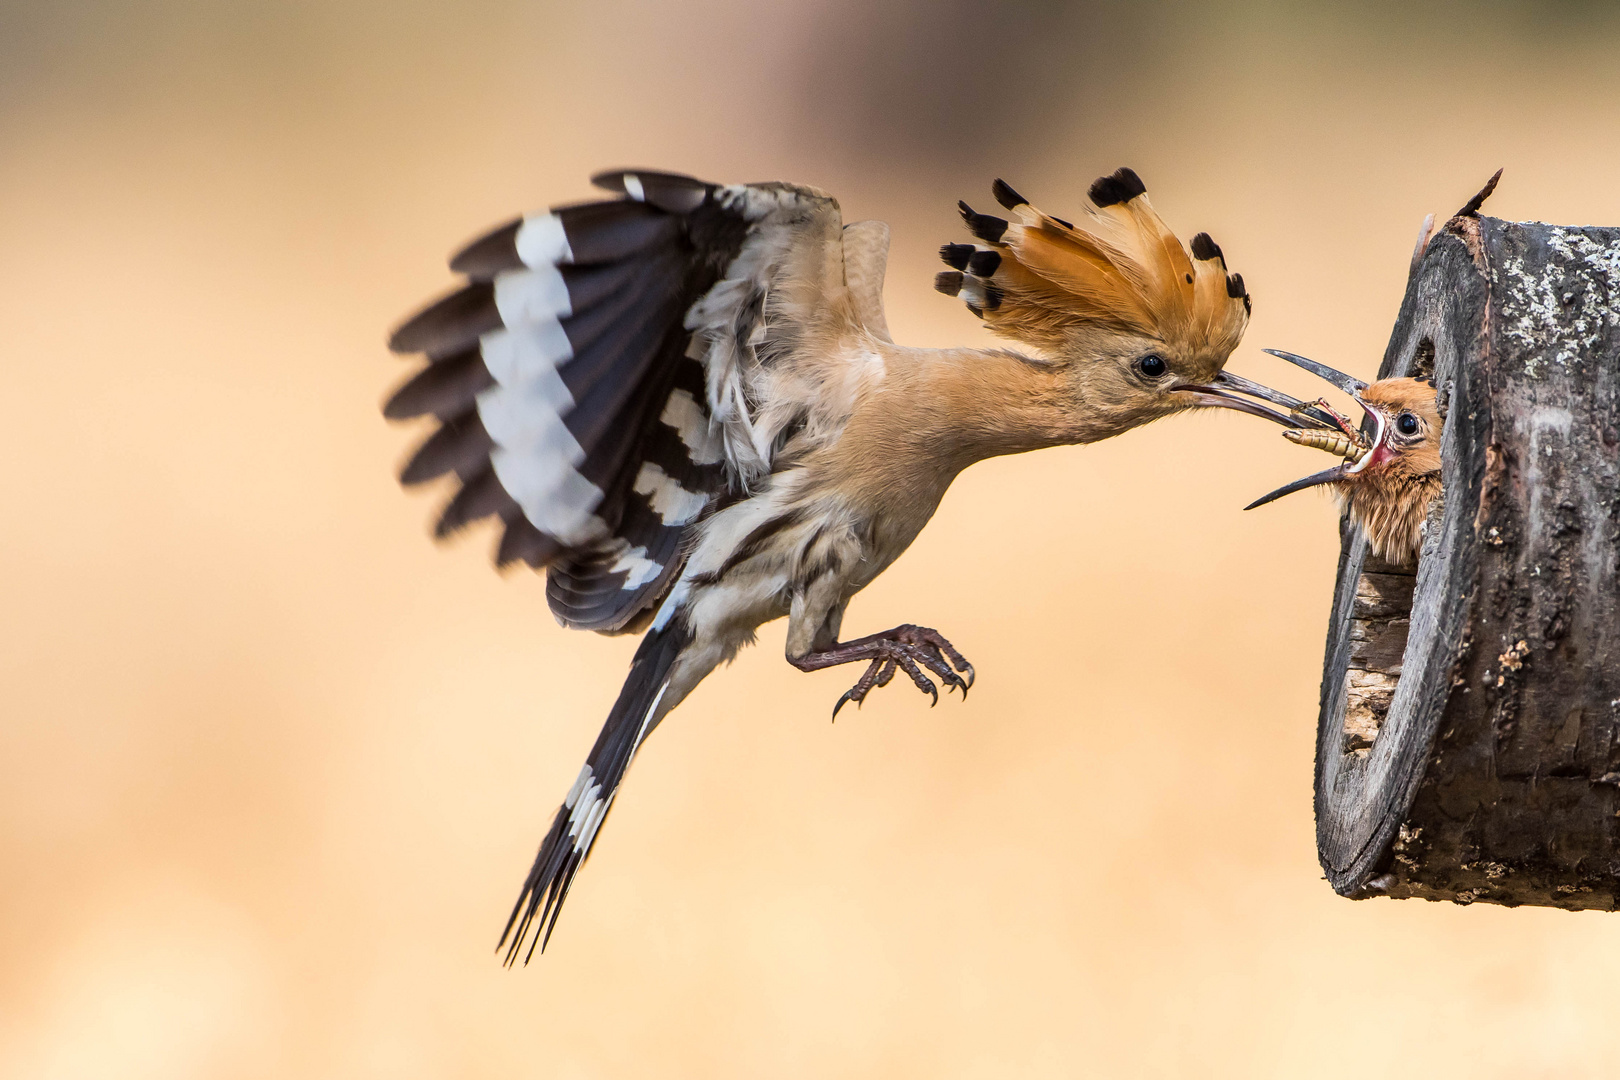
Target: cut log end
(1468, 741)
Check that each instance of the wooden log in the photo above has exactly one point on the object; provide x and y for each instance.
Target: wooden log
(1468, 743)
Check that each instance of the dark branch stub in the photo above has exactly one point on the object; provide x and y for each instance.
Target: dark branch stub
(1471, 207)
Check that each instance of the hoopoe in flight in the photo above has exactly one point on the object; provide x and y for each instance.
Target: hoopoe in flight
(685, 404)
(1390, 475)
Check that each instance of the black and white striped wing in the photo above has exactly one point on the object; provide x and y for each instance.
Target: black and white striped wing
(567, 403)
(614, 368)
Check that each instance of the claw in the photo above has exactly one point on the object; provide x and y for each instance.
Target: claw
(877, 673)
(958, 682)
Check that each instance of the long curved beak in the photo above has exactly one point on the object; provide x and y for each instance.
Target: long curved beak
(1228, 391)
(1348, 383)
(1326, 476)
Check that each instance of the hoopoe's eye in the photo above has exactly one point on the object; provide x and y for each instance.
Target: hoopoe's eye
(1151, 365)
(1406, 424)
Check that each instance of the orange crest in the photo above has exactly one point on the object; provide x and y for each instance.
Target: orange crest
(1044, 281)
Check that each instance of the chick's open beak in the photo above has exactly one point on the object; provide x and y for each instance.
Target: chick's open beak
(1348, 383)
(1357, 450)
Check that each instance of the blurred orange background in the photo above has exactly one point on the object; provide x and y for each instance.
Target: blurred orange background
(272, 765)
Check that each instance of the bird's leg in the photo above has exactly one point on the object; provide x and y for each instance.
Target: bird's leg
(912, 649)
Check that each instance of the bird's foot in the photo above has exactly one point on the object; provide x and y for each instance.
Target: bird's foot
(916, 650)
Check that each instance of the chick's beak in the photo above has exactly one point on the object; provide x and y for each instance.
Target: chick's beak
(1348, 383)
(1359, 452)
(1326, 476)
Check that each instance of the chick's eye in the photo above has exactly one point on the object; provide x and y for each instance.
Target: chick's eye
(1152, 366)
(1406, 424)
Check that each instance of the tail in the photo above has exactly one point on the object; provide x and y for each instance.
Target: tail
(587, 804)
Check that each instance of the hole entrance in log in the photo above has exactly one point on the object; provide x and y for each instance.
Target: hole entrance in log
(1388, 668)
(1380, 621)
(1380, 618)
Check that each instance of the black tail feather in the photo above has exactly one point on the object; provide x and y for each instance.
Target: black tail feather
(568, 841)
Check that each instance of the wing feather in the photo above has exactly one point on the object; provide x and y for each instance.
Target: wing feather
(612, 370)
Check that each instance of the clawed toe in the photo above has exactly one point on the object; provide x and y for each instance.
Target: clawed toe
(878, 673)
(935, 663)
(908, 661)
(941, 654)
(917, 650)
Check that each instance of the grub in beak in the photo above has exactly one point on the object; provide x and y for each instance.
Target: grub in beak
(1349, 447)
(1355, 447)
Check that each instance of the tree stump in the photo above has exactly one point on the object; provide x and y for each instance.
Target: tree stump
(1468, 743)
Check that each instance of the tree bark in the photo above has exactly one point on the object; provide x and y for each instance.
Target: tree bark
(1468, 743)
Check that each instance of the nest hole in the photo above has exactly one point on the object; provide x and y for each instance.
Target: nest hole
(1422, 366)
(1380, 620)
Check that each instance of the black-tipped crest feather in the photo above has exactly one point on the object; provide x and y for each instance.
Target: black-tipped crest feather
(1006, 196)
(1205, 248)
(674, 192)
(984, 263)
(496, 250)
(984, 226)
(1121, 186)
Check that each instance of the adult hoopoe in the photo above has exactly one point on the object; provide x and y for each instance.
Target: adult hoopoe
(684, 403)
(1391, 474)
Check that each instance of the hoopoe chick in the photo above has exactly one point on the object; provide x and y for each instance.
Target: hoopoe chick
(684, 404)
(1391, 474)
